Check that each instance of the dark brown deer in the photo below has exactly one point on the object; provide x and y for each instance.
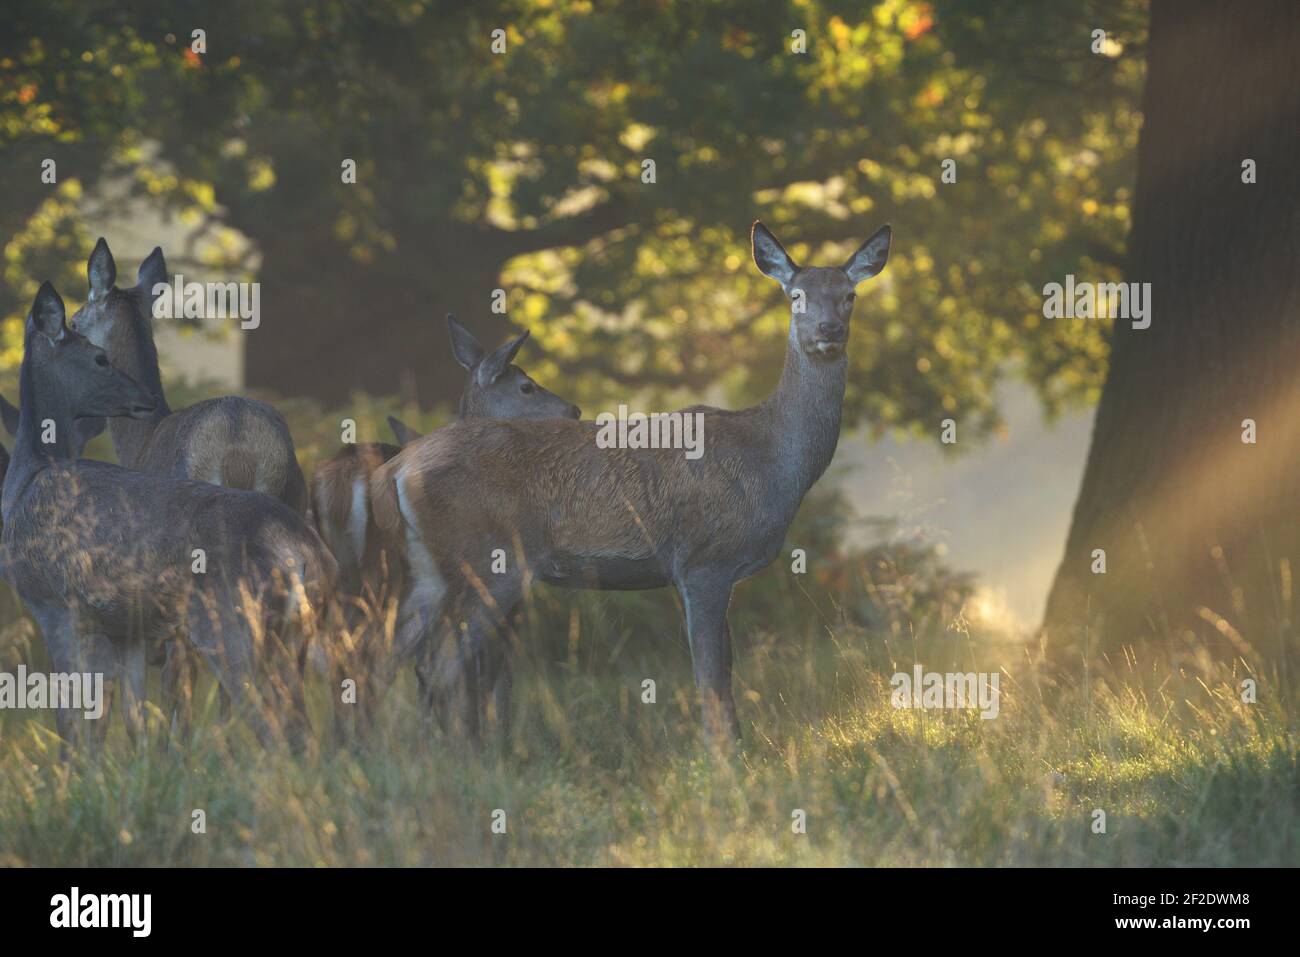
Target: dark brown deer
(105, 557)
(231, 441)
(570, 512)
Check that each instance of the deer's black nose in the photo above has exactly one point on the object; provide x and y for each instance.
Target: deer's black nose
(575, 412)
(831, 331)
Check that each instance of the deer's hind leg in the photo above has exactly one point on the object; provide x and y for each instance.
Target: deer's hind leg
(101, 655)
(441, 668)
(131, 664)
(467, 665)
(73, 653)
(177, 680)
(219, 633)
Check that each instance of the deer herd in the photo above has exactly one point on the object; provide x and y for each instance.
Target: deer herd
(208, 545)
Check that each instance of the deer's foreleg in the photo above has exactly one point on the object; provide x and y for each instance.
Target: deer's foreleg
(706, 598)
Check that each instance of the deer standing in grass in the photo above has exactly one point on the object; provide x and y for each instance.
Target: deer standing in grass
(568, 512)
(231, 441)
(369, 574)
(104, 557)
(495, 389)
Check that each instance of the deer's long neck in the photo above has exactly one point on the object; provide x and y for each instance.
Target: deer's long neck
(131, 349)
(804, 416)
(45, 433)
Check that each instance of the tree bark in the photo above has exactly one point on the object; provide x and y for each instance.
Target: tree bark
(1200, 529)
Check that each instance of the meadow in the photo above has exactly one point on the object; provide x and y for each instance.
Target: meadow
(1185, 771)
(590, 173)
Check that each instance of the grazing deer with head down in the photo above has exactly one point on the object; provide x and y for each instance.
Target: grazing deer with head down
(571, 513)
(106, 559)
(495, 389)
(231, 441)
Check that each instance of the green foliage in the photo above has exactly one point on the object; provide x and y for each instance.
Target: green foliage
(526, 166)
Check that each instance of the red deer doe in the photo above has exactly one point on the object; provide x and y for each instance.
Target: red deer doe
(570, 512)
(368, 575)
(495, 389)
(105, 557)
(231, 441)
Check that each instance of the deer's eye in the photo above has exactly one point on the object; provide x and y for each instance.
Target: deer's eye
(526, 388)
(848, 300)
(101, 360)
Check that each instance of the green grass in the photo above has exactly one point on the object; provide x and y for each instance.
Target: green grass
(1186, 773)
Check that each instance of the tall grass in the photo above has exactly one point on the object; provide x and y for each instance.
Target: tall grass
(1185, 772)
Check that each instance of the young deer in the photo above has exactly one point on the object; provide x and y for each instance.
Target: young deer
(495, 389)
(231, 441)
(571, 513)
(105, 557)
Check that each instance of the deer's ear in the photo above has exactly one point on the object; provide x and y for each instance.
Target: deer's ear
(48, 314)
(770, 256)
(9, 412)
(404, 433)
(101, 271)
(466, 349)
(152, 271)
(490, 369)
(870, 257)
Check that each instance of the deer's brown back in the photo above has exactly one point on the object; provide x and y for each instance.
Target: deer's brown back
(549, 487)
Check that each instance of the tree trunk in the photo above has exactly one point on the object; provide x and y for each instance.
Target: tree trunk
(1200, 529)
(366, 330)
